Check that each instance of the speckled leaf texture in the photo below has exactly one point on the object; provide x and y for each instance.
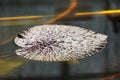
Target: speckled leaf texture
(58, 43)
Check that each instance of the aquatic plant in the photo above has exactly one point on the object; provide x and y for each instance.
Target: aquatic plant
(58, 43)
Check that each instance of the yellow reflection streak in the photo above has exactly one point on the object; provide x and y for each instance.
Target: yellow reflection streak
(57, 17)
(21, 17)
(62, 15)
(98, 12)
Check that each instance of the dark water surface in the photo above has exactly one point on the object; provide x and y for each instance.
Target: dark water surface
(95, 67)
